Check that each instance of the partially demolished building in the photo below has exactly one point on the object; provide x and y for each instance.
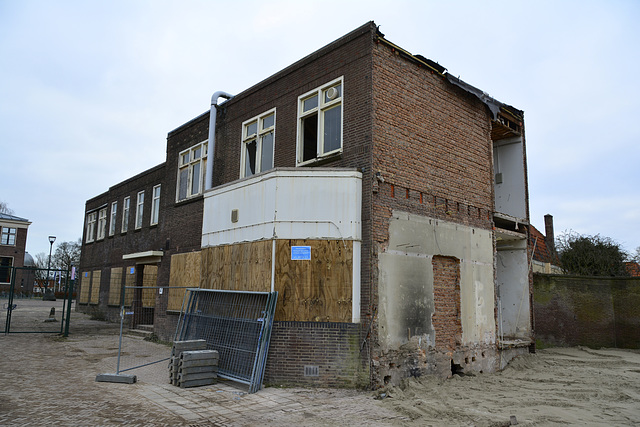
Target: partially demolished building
(382, 198)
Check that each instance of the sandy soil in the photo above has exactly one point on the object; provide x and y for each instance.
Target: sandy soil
(577, 386)
(48, 380)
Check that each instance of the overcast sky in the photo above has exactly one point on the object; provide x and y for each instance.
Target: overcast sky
(90, 89)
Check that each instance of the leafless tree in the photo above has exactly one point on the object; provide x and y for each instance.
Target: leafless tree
(66, 255)
(4, 208)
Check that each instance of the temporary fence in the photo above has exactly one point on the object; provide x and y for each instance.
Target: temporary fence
(139, 350)
(236, 324)
(37, 300)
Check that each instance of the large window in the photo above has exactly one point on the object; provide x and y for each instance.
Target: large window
(5, 269)
(155, 205)
(125, 214)
(320, 122)
(91, 226)
(112, 220)
(139, 209)
(8, 236)
(102, 223)
(258, 137)
(192, 164)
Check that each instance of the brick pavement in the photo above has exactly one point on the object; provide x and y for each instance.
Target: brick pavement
(49, 380)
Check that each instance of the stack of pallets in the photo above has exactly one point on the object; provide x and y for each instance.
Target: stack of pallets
(192, 365)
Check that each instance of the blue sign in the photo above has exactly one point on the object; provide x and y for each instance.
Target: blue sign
(300, 253)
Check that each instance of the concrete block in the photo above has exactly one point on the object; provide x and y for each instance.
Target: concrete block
(116, 378)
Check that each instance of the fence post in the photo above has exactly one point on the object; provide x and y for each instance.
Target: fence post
(70, 286)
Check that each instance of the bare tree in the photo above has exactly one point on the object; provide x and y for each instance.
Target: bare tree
(66, 255)
(4, 208)
(636, 257)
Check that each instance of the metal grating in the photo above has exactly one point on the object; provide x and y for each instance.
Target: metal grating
(236, 324)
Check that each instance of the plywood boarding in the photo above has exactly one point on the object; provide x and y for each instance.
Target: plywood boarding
(319, 289)
(129, 280)
(85, 283)
(150, 280)
(115, 286)
(239, 267)
(95, 287)
(185, 271)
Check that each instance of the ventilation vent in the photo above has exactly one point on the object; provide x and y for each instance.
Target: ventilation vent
(234, 216)
(332, 93)
(311, 371)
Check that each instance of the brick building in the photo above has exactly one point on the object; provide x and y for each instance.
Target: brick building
(406, 186)
(13, 242)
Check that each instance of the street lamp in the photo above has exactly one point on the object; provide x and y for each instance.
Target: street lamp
(51, 240)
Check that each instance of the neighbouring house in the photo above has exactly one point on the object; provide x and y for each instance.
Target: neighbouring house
(13, 241)
(545, 258)
(384, 199)
(632, 268)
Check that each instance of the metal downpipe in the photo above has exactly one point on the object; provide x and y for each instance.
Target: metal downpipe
(208, 180)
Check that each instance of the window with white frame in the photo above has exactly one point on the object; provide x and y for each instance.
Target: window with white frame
(258, 138)
(192, 164)
(139, 209)
(112, 219)
(125, 214)
(102, 223)
(91, 226)
(320, 122)
(8, 236)
(155, 205)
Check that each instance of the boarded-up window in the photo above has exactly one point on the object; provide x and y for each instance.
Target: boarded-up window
(316, 290)
(129, 280)
(185, 271)
(95, 287)
(149, 280)
(85, 283)
(240, 267)
(115, 286)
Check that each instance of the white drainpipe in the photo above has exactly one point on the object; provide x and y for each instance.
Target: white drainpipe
(208, 180)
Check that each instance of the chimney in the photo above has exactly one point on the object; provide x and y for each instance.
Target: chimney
(548, 231)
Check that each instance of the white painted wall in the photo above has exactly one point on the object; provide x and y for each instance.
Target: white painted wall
(508, 160)
(301, 203)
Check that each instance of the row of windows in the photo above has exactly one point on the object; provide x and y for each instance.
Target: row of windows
(8, 236)
(99, 219)
(319, 130)
(319, 135)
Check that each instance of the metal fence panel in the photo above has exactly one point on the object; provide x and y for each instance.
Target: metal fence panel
(236, 324)
(24, 309)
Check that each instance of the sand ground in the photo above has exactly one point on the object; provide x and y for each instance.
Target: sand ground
(49, 380)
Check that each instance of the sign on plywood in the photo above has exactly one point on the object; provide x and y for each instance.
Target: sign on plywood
(300, 253)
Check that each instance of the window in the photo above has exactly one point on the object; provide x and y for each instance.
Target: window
(112, 220)
(258, 136)
(5, 269)
(91, 226)
(320, 122)
(125, 214)
(102, 223)
(155, 205)
(8, 236)
(139, 209)
(191, 166)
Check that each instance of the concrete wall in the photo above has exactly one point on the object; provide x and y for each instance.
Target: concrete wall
(406, 280)
(590, 311)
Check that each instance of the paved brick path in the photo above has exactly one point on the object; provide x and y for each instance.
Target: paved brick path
(49, 380)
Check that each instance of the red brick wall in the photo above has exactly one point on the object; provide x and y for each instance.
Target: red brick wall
(446, 293)
(333, 347)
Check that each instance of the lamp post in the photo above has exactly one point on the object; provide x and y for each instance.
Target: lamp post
(51, 240)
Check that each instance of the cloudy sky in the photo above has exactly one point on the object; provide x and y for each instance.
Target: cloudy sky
(90, 89)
